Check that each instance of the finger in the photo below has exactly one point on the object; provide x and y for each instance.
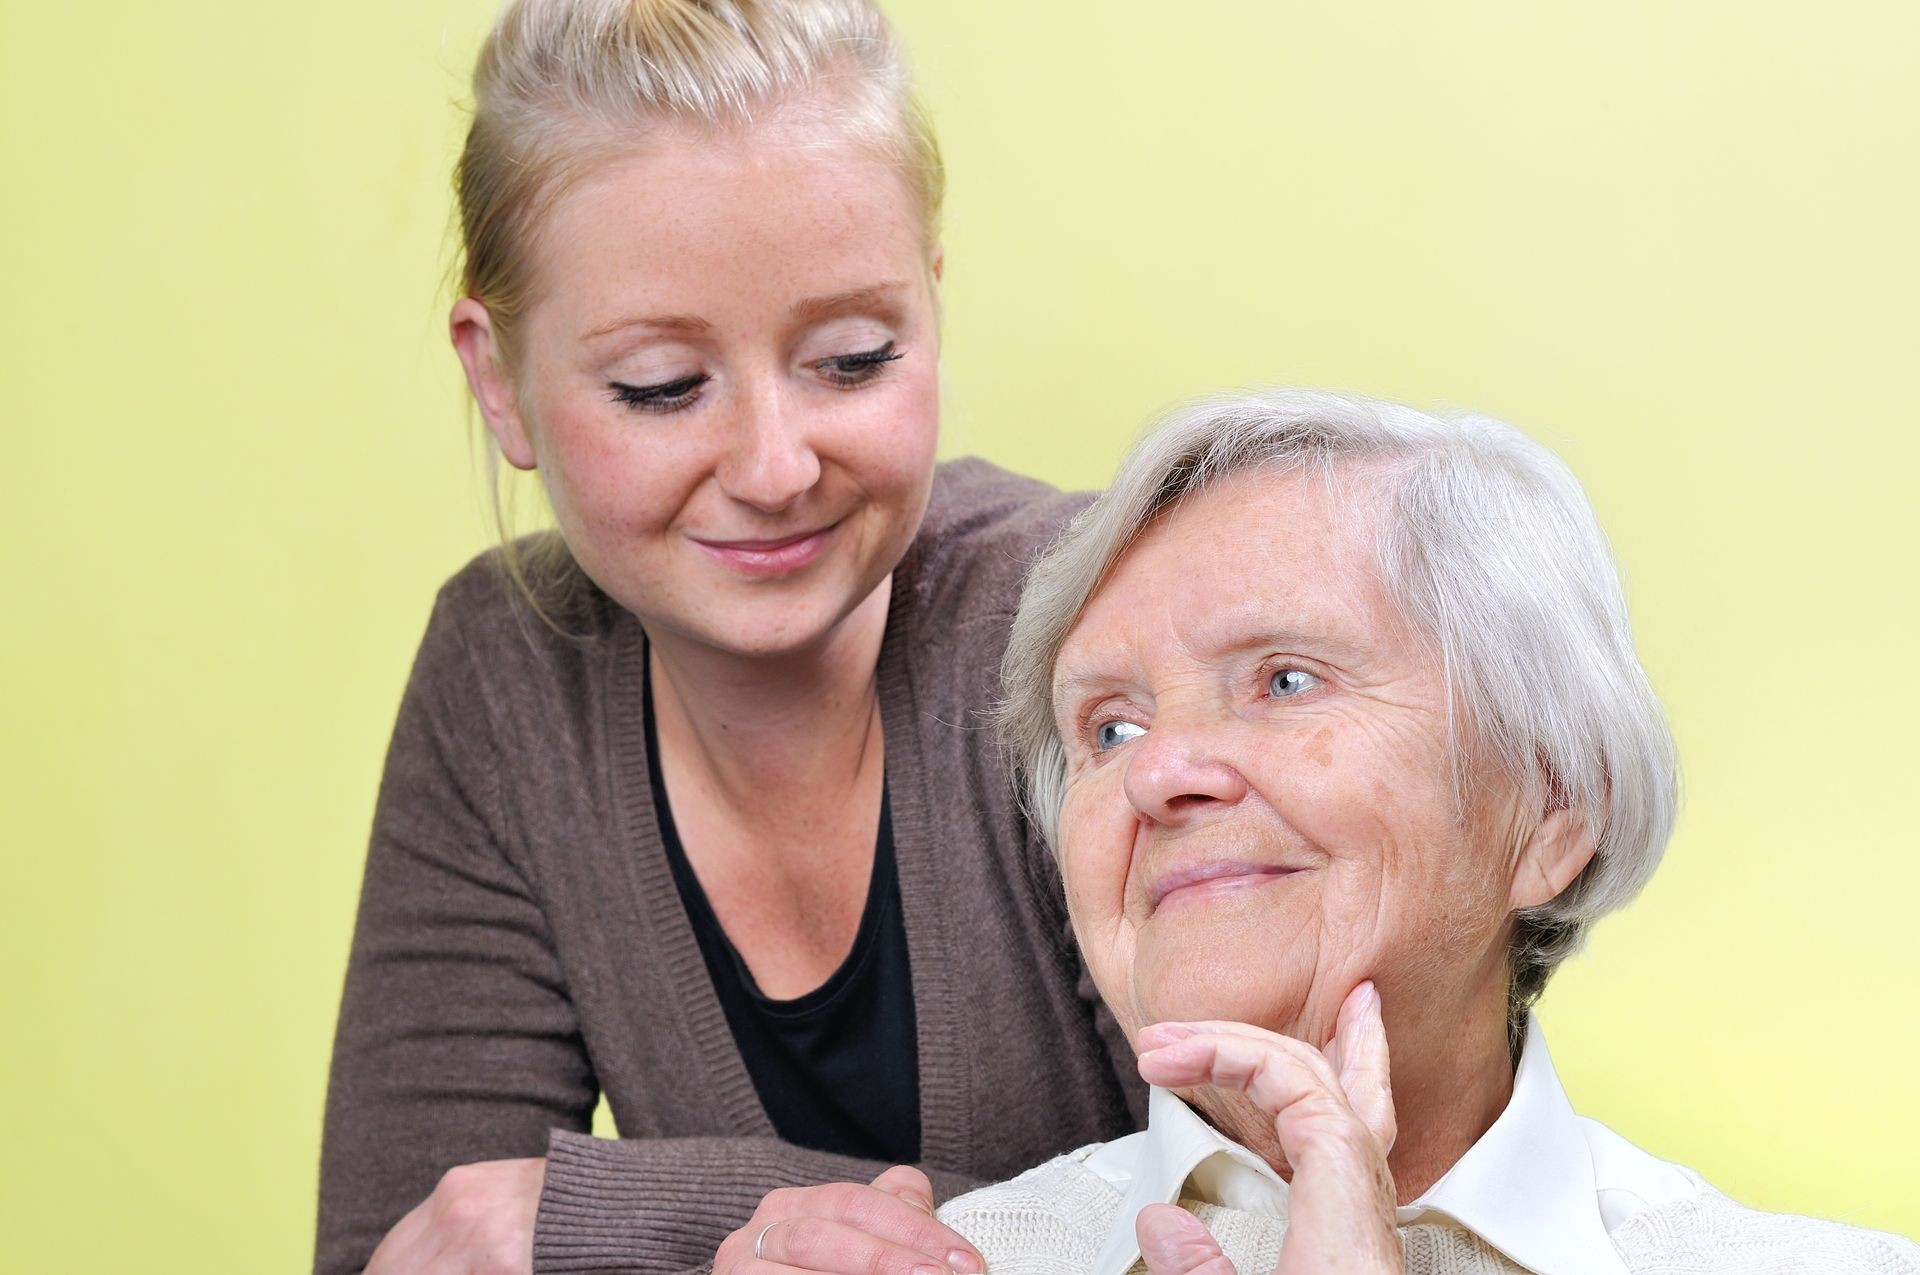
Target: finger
(751, 1265)
(1175, 1242)
(1340, 1210)
(900, 1222)
(1357, 1055)
(835, 1248)
(878, 1213)
(1276, 1073)
(1293, 1084)
(908, 1184)
(1168, 1032)
(1359, 1058)
(1166, 1036)
(1158, 1035)
(904, 1182)
(760, 1266)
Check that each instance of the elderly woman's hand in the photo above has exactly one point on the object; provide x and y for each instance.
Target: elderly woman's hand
(1333, 1114)
(479, 1219)
(884, 1228)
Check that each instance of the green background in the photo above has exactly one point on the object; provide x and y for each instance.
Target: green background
(1674, 239)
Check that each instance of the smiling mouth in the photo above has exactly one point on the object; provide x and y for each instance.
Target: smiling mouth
(772, 557)
(1212, 878)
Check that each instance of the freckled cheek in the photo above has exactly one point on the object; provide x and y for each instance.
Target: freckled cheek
(889, 440)
(609, 478)
(620, 499)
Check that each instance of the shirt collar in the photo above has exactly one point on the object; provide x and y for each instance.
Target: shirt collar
(1176, 1146)
(1526, 1187)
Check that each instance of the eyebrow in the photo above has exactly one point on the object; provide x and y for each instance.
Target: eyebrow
(881, 296)
(1071, 690)
(687, 323)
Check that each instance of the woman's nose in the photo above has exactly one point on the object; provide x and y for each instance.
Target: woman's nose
(770, 462)
(1178, 775)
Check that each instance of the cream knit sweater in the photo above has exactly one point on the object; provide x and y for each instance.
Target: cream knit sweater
(1053, 1219)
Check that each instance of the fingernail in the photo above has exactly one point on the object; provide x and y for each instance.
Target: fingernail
(965, 1262)
(1168, 1033)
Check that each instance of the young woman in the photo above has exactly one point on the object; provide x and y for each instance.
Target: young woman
(701, 811)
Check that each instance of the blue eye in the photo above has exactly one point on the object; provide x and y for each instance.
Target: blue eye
(1289, 682)
(1115, 733)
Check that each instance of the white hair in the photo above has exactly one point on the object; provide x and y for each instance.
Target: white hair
(1489, 549)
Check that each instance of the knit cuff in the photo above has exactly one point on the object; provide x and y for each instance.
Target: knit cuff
(654, 1206)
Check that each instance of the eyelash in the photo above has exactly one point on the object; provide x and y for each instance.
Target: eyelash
(850, 370)
(669, 396)
(842, 371)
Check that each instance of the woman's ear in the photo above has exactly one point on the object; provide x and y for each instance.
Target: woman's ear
(471, 328)
(1554, 854)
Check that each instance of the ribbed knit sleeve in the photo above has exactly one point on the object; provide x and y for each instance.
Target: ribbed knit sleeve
(457, 1040)
(665, 1204)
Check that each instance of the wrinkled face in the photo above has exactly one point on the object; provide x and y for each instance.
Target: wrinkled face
(728, 382)
(1261, 804)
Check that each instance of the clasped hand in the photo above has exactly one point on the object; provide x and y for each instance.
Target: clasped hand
(886, 1226)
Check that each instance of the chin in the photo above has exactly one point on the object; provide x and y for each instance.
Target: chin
(762, 619)
(1211, 982)
(770, 630)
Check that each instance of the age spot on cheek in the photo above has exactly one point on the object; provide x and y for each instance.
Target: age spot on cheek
(1319, 749)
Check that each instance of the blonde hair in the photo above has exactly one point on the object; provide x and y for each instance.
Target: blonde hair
(561, 86)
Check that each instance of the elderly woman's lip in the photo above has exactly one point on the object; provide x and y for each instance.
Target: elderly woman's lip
(1213, 874)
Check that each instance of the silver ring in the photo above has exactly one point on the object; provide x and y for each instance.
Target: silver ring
(760, 1239)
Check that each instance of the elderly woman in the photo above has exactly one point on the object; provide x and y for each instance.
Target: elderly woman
(1331, 711)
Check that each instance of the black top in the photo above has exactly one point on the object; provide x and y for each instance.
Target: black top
(837, 1069)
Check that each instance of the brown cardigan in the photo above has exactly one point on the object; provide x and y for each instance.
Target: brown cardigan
(521, 948)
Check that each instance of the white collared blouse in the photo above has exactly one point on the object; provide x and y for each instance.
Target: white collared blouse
(1544, 1190)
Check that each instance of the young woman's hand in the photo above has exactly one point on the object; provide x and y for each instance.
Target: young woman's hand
(1333, 1113)
(478, 1221)
(883, 1228)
